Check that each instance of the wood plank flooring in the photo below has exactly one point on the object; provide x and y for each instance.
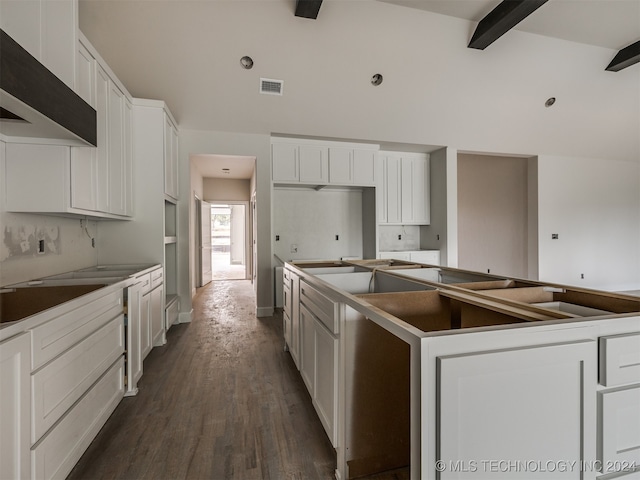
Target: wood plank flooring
(222, 400)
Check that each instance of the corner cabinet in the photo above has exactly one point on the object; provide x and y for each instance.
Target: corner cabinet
(404, 196)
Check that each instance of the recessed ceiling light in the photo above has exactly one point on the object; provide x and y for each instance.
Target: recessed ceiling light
(550, 101)
(376, 79)
(246, 62)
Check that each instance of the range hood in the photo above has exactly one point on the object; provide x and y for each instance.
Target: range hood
(34, 103)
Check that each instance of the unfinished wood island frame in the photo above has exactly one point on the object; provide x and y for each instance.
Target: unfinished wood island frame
(453, 374)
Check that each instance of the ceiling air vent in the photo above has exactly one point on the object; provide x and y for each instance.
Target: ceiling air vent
(271, 87)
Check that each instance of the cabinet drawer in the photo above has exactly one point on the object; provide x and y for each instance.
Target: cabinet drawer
(52, 338)
(320, 305)
(57, 386)
(157, 277)
(619, 435)
(145, 281)
(620, 359)
(59, 450)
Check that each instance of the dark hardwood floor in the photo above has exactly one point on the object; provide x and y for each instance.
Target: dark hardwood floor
(222, 400)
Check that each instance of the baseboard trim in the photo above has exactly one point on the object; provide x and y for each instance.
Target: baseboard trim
(264, 312)
(185, 317)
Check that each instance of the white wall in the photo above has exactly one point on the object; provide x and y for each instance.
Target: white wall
(493, 214)
(311, 219)
(594, 207)
(226, 189)
(70, 247)
(195, 189)
(442, 233)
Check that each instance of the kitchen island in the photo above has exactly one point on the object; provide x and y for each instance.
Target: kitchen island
(458, 374)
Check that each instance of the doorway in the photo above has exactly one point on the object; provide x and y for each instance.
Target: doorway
(228, 241)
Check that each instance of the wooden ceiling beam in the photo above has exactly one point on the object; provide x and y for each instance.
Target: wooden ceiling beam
(308, 8)
(629, 55)
(502, 19)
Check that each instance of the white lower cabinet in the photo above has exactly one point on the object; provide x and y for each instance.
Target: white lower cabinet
(488, 399)
(134, 342)
(319, 368)
(619, 447)
(145, 324)
(55, 390)
(156, 316)
(15, 400)
(55, 455)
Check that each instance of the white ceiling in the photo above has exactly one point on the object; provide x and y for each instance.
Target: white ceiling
(605, 23)
(436, 91)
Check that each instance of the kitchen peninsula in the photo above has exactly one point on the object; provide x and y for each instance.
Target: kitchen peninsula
(438, 370)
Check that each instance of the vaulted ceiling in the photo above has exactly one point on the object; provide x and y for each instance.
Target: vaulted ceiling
(435, 92)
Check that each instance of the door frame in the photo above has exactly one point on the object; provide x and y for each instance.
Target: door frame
(248, 257)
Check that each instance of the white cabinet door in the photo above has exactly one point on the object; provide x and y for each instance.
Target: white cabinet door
(127, 181)
(170, 158)
(393, 189)
(620, 429)
(542, 396)
(326, 380)
(145, 325)
(415, 190)
(157, 316)
(102, 149)
(134, 338)
(430, 257)
(284, 162)
(364, 166)
(85, 75)
(116, 150)
(314, 164)
(340, 165)
(15, 402)
(307, 349)
(294, 346)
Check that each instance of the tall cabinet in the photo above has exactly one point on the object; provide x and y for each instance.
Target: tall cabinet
(152, 236)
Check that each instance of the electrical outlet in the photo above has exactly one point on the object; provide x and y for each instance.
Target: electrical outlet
(40, 246)
(399, 237)
(277, 238)
(337, 237)
(93, 242)
(582, 276)
(294, 248)
(438, 237)
(554, 236)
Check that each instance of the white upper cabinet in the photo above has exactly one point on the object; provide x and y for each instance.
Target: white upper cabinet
(352, 166)
(87, 181)
(47, 30)
(315, 162)
(170, 158)
(405, 189)
(284, 162)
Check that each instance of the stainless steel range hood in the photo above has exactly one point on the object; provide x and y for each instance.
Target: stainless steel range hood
(34, 103)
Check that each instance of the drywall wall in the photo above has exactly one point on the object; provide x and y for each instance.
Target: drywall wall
(259, 146)
(593, 205)
(442, 233)
(399, 237)
(493, 214)
(196, 189)
(223, 189)
(308, 221)
(67, 243)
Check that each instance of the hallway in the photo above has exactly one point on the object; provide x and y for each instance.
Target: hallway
(222, 400)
